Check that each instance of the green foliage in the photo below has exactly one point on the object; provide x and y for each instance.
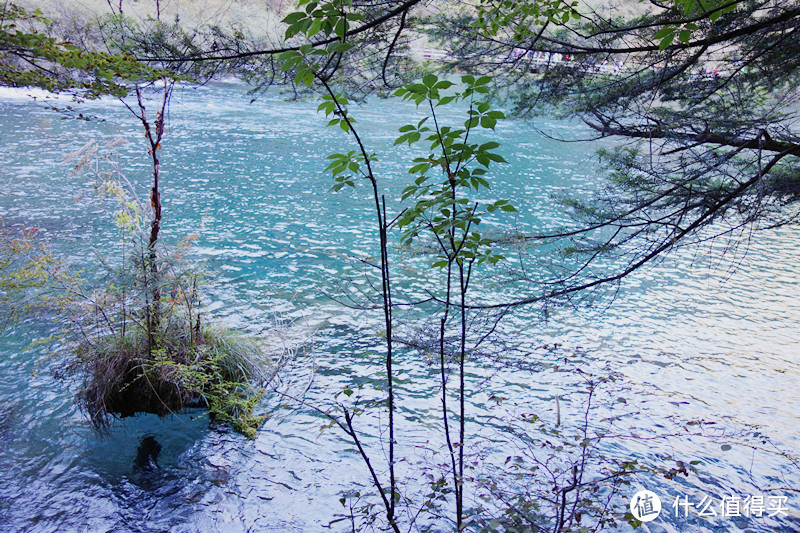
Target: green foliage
(704, 94)
(133, 364)
(322, 20)
(28, 272)
(443, 206)
(305, 62)
(217, 373)
(456, 168)
(326, 19)
(336, 106)
(524, 19)
(30, 57)
(23, 262)
(153, 353)
(333, 40)
(711, 10)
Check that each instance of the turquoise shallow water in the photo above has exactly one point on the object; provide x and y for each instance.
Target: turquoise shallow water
(693, 340)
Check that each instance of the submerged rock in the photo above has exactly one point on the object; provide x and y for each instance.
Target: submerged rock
(147, 455)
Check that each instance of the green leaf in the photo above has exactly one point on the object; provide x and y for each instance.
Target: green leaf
(666, 41)
(341, 28)
(664, 32)
(315, 28)
(294, 17)
(339, 47)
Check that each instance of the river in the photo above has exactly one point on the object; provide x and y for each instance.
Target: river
(706, 342)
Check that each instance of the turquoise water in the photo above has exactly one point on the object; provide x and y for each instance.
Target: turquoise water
(694, 339)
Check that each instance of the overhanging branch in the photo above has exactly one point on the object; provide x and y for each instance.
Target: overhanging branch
(760, 142)
(401, 9)
(701, 220)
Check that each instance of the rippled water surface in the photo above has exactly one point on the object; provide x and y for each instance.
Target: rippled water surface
(694, 337)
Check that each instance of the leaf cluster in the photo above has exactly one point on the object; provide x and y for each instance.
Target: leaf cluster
(454, 169)
(522, 19)
(332, 18)
(31, 57)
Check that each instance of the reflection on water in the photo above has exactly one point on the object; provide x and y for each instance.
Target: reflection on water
(248, 179)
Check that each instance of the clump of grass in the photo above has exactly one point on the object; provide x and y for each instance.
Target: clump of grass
(185, 367)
